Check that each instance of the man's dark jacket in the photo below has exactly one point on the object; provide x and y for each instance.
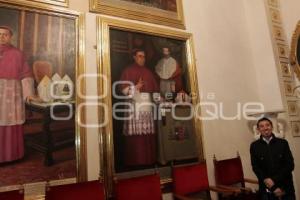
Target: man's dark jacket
(275, 161)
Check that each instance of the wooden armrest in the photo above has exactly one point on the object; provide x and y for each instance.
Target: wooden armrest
(178, 196)
(246, 189)
(236, 189)
(248, 180)
(20, 188)
(230, 188)
(222, 190)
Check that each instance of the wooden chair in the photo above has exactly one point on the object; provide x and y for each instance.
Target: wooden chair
(229, 175)
(40, 69)
(62, 132)
(12, 195)
(191, 182)
(92, 190)
(139, 188)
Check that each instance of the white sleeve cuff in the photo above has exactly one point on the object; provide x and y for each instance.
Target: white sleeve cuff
(27, 87)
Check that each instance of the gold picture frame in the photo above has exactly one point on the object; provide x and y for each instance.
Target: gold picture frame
(143, 11)
(74, 22)
(112, 46)
(61, 3)
(295, 51)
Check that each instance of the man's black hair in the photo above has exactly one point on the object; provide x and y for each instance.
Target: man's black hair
(264, 119)
(7, 28)
(134, 52)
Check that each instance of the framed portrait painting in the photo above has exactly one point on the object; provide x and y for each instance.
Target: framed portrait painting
(162, 12)
(61, 3)
(149, 95)
(51, 143)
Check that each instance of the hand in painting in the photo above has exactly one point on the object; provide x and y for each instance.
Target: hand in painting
(139, 84)
(33, 98)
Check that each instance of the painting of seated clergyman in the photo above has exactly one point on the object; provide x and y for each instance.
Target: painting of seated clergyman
(169, 5)
(37, 61)
(149, 75)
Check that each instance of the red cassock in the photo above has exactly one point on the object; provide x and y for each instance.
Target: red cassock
(13, 71)
(177, 77)
(139, 130)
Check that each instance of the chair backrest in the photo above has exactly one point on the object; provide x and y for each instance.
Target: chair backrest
(139, 188)
(92, 190)
(190, 179)
(41, 69)
(12, 195)
(229, 171)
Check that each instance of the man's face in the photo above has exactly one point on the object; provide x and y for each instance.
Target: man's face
(5, 36)
(166, 52)
(265, 128)
(139, 58)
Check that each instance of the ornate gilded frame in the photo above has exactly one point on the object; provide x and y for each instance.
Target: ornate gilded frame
(104, 25)
(62, 3)
(131, 10)
(80, 135)
(295, 50)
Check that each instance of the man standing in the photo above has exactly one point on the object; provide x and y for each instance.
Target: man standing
(16, 86)
(139, 129)
(273, 163)
(169, 72)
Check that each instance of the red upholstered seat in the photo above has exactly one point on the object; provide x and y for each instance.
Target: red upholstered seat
(12, 195)
(92, 190)
(139, 188)
(191, 180)
(229, 171)
(229, 174)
